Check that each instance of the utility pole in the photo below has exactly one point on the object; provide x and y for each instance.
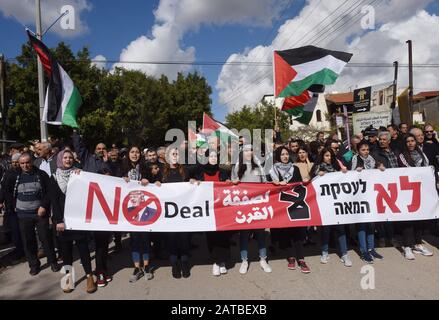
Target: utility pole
(395, 87)
(410, 47)
(43, 125)
(2, 99)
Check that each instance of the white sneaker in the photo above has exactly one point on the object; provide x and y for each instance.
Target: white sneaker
(419, 248)
(222, 268)
(265, 266)
(216, 270)
(324, 258)
(346, 261)
(244, 267)
(408, 253)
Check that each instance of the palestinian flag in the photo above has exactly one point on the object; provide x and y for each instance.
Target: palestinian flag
(296, 70)
(302, 112)
(62, 97)
(198, 139)
(211, 126)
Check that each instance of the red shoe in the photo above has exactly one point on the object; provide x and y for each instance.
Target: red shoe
(108, 278)
(101, 282)
(291, 263)
(303, 267)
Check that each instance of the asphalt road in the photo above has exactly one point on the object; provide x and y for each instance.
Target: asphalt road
(394, 278)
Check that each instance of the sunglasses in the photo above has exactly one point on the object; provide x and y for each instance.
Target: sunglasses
(429, 131)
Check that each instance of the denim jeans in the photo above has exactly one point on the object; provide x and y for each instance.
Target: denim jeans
(366, 236)
(139, 246)
(243, 243)
(341, 235)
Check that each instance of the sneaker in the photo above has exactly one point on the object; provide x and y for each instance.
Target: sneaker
(291, 263)
(149, 275)
(367, 257)
(34, 271)
(419, 248)
(216, 270)
(176, 270)
(265, 266)
(408, 253)
(55, 267)
(68, 288)
(101, 280)
(375, 254)
(244, 267)
(137, 274)
(303, 266)
(223, 269)
(91, 284)
(324, 258)
(185, 269)
(346, 261)
(108, 278)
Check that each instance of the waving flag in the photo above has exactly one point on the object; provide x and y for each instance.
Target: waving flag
(297, 73)
(62, 97)
(211, 126)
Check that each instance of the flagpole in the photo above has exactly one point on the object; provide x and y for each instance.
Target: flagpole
(43, 125)
(274, 94)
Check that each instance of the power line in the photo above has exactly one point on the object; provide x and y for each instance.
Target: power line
(262, 79)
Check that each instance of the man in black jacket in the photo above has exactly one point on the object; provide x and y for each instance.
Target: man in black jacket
(30, 200)
(10, 218)
(97, 162)
(384, 156)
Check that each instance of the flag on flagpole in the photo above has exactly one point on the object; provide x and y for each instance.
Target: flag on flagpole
(211, 126)
(62, 97)
(199, 139)
(300, 74)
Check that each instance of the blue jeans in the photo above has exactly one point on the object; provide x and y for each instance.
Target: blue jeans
(243, 243)
(366, 236)
(139, 246)
(341, 234)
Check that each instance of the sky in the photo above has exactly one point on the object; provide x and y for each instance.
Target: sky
(240, 32)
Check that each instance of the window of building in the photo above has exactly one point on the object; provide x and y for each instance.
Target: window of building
(319, 115)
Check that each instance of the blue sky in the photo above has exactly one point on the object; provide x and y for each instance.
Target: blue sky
(113, 25)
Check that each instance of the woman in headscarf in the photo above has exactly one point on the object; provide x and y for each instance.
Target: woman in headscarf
(58, 188)
(218, 242)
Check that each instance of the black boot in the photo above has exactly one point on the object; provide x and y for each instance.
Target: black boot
(185, 269)
(176, 270)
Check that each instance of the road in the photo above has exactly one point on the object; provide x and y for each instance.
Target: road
(394, 278)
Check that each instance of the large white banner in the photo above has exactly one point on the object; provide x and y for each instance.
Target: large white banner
(98, 202)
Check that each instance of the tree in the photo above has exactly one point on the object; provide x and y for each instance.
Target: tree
(260, 117)
(125, 107)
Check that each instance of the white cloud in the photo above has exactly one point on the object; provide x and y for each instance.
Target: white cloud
(24, 12)
(174, 18)
(400, 20)
(99, 62)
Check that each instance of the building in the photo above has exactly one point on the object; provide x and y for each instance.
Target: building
(426, 107)
(319, 120)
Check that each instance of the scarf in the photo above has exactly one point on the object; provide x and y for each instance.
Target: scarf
(418, 158)
(62, 177)
(365, 163)
(282, 171)
(134, 173)
(325, 168)
(210, 169)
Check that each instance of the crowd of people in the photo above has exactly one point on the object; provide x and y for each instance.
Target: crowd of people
(35, 179)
